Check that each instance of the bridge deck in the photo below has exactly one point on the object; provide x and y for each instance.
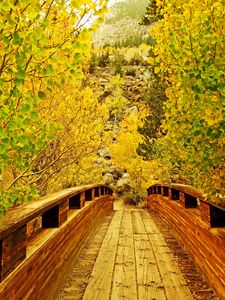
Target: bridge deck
(133, 262)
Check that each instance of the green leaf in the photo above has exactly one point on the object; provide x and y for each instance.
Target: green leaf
(49, 70)
(3, 133)
(4, 6)
(46, 23)
(41, 95)
(77, 56)
(34, 115)
(3, 147)
(18, 81)
(21, 74)
(16, 39)
(25, 108)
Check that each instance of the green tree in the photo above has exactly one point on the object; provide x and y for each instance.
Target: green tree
(190, 55)
(154, 98)
(42, 44)
(152, 14)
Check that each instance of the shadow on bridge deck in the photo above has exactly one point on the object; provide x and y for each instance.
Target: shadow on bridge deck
(128, 258)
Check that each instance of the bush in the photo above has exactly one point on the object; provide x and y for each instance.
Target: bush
(104, 59)
(93, 63)
(131, 72)
(134, 198)
(137, 60)
(118, 69)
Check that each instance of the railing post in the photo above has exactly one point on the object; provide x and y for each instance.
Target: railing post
(188, 201)
(13, 251)
(96, 192)
(50, 218)
(92, 194)
(82, 199)
(212, 215)
(175, 194)
(55, 216)
(88, 195)
(182, 199)
(63, 210)
(102, 191)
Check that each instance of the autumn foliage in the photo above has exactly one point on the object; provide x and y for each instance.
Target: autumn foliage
(44, 47)
(190, 57)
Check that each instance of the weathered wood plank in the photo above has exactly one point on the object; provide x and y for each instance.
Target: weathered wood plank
(137, 222)
(172, 279)
(99, 284)
(12, 252)
(124, 278)
(149, 283)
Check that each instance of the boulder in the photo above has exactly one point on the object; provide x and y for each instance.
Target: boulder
(123, 184)
(105, 153)
(108, 178)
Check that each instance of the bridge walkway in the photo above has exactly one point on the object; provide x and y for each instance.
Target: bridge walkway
(133, 255)
(128, 259)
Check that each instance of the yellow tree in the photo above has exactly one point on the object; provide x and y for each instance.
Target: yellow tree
(115, 102)
(70, 158)
(41, 47)
(190, 56)
(124, 151)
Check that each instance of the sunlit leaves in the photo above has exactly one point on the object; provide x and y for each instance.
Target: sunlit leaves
(42, 45)
(124, 151)
(191, 56)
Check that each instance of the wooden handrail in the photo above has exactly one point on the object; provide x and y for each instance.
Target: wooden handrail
(53, 210)
(183, 188)
(189, 190)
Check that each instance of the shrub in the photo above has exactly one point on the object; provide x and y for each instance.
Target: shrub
(131, 72)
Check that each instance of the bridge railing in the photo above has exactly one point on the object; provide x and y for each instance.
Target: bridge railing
(200, 225)
(23, 223)
(189, 197)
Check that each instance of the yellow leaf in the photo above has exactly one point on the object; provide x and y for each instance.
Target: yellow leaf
(156, 70)
(150, 60)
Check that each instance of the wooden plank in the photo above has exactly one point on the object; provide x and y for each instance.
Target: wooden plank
(172, 279)
(99, 284)
(149, 281)
(149, 224)
(124, 278)
(137, 222)
(77, 279)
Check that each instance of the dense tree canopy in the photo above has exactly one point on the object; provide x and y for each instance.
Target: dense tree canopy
(190, 57)
(43, 44)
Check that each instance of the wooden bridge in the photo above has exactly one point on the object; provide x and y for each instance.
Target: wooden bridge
(81, 244)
